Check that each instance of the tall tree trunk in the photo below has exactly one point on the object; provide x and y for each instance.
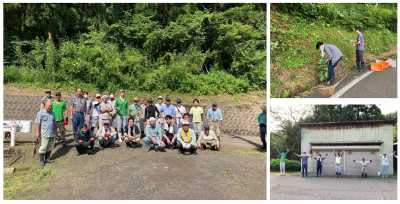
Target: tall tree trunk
(50, 33)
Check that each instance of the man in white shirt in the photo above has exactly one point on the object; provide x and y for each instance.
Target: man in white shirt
(159, 104)
(363, 166)
(180, 111)
(95, 113)
(385, 164)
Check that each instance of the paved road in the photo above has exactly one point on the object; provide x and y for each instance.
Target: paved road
(325, 188)
(237, 172)
(375, 85)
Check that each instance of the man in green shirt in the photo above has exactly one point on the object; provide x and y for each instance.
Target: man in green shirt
(59, 109)
(122, 107)
(136, 111)
(283, 157)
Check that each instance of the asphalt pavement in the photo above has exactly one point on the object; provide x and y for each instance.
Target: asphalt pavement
(375, 85)
(294, 187)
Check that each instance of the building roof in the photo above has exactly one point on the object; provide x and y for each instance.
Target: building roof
(392, 121)
(374, 142)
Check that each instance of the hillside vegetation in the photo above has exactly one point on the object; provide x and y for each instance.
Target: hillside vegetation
(204, 49)
(296, 28)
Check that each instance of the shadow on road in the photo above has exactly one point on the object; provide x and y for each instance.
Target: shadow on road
(258, 145)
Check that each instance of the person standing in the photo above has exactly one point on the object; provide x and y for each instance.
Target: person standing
(208, 137)
(106, 136)
(186, 139)
(151, 111)
(214, 120)
(359, 50)
(159, 104)
(78, 110)
(304, 163)
(334, 57)
(364, 170)
(132, 133)
(48, 97)
(88, 117)
(153, 136)
(122, 107)
(46, 129)
(283, 157)
(262, 121)
(196, 116)
(84, 139)
(168, 109)
(113, 120)
(59, 109)
(319, 164)
(385, 163)
(136, 111)
(337, 163)
(105, 111)
(142, 118)
(96, 112)
(180, 111)
(169, 132)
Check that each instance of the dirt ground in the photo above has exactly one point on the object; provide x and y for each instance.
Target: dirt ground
(237, 172)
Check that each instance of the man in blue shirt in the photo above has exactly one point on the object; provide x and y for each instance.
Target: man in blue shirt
(46, 129)
(304, 162)
(214, 120)
(360, 50)
(262, 121)
(153, 135)
(168, 109)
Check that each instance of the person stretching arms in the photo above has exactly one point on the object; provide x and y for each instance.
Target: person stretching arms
(283, 157)
(304, 162)
(363, 166)
(319, 164)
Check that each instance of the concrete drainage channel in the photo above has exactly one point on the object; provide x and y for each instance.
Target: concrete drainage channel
(14, 155)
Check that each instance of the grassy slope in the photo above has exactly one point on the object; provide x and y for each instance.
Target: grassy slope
(295, 63)
(223, 99)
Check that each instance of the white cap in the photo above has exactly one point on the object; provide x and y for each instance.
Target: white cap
(122, 91)
(152, 119)
(159, 97)
(104, 96)
(98, 95)
(185, 122)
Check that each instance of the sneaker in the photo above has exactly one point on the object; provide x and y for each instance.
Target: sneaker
(218, 149)
(281, 175)
(316, 175)
(201, 148)
(148, 150)
(120, 141)
(155, 149)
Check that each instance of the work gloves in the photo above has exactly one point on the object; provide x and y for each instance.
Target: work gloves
(348, 40)
(323, 63)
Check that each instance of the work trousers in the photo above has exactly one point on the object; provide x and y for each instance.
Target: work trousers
(105, 142)
(129, 141)
(212, 143)
(87, 121)
(319, 169)
(197, 128)
(77, 122)
(61, 130)
(331, 68)
(337, 166)
(214, 126)
(263, 133)
(84, 145)
(121, 122)
(385, 169)
(149, 141)
(170, 139)
(282, 167)
(364, 170)
(46, 144)
(360, 55)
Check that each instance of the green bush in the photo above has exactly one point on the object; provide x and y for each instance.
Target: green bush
(290, 165)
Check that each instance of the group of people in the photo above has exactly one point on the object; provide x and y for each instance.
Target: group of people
(163, 125)
(335, 55)
(338, 156)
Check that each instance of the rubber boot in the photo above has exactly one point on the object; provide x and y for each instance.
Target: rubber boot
(48, 157)
(362, 175)
(41, 155)
(329, 81)
(365, 175)
(362, 67)
(333, 79)
(357, 65)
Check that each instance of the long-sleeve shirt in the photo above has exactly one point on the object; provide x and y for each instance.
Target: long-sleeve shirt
(211, 136)
(135, 111)
(319, 163)
(154, 131)
(150, 111)
(88, 106)
(214, 115)
(143, 110)
(192, 140)
(87, 137)
(100, 132)
(333, 53)
(283, 157)
(262, 118)
(191, 126)
(385, 160)
(363, 163)
(123, 105)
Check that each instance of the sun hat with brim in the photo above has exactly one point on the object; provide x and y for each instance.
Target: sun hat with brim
(136, 99)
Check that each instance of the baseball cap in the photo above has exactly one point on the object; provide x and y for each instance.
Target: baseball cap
(363, 159)
(185, 122)
(48, 90)
(98, 95)
(58, 93)
(106, 122)
(196, 100)
(167, 99)
(206, 127)
(145, 99)
(159, 97)
(214, 103)
(179, 101)
(122, 91)
(152, 119)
